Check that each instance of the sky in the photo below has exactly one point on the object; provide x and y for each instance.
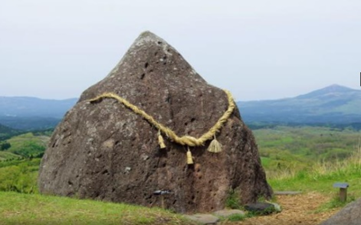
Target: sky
(257, 49)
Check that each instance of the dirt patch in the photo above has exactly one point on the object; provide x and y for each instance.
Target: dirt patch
(296, 209)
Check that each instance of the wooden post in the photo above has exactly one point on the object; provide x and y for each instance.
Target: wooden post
(162, 193)
(343, 190)
(162, 201)
(343, 194)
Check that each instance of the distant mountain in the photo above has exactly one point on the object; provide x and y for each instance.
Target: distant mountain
(29, 107)
(334, 104)
(28, 113)
(30, 123)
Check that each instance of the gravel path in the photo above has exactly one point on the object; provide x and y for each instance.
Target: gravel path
(296, 209)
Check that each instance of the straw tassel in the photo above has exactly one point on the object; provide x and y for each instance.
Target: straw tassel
(215, 146)
(161, 140)
(189, 157)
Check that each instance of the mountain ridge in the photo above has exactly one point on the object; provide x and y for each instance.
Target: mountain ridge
(32, 113)
(332, 104)
(23, 106)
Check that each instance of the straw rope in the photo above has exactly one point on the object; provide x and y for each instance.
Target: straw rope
(184, 140)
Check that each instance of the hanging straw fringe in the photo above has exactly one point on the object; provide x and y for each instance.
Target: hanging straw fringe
(161, 141)
(215, 146)
(189, 157)
(184, 140)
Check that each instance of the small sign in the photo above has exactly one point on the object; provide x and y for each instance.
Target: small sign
(162, 192)
(340, 185)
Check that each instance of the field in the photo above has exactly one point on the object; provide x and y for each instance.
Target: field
(306, 159)
(287, 150)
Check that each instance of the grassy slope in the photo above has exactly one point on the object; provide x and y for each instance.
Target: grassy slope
(298, 148)
(28, 144)
(37, 209)
(8, 155)
(321, 177)
(302, 164)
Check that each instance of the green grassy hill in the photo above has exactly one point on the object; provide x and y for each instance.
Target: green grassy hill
(7, 132)
(28, 145)
(4, 155)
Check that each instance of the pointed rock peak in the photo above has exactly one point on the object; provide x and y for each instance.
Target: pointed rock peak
(147, 33)
(150, 65)
(148, 36)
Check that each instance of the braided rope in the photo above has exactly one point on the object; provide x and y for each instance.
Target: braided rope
(184, 140)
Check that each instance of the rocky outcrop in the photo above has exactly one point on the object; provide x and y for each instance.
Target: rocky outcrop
(104, 151)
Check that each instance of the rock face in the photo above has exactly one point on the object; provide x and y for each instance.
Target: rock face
(104, 151)
(350, 215)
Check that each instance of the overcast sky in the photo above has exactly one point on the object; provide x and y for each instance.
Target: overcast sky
(257, 49)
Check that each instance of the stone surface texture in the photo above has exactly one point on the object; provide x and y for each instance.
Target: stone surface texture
(104, 151)
(350, 215)
(204, 218)
(228, 212)
(260, 208)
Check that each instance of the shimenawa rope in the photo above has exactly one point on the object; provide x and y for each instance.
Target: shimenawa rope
(190, 141)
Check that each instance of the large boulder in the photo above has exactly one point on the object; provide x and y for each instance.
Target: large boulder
(103, 150)
(350, 215)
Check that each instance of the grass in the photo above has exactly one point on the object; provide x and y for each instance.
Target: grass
(335, 203)
(28, 144)
(236, 217)
(324, 156)
(283, 144)
(7, 156)
(18, 208)
(314, 159)
(321, 177)
(19, 175)
(232, 200)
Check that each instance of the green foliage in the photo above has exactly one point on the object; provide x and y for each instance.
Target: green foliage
(4, 145)
(236, 217)
(46, 132)
(8, 156)
(19, 176)
(233, 200)
(28, 145)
